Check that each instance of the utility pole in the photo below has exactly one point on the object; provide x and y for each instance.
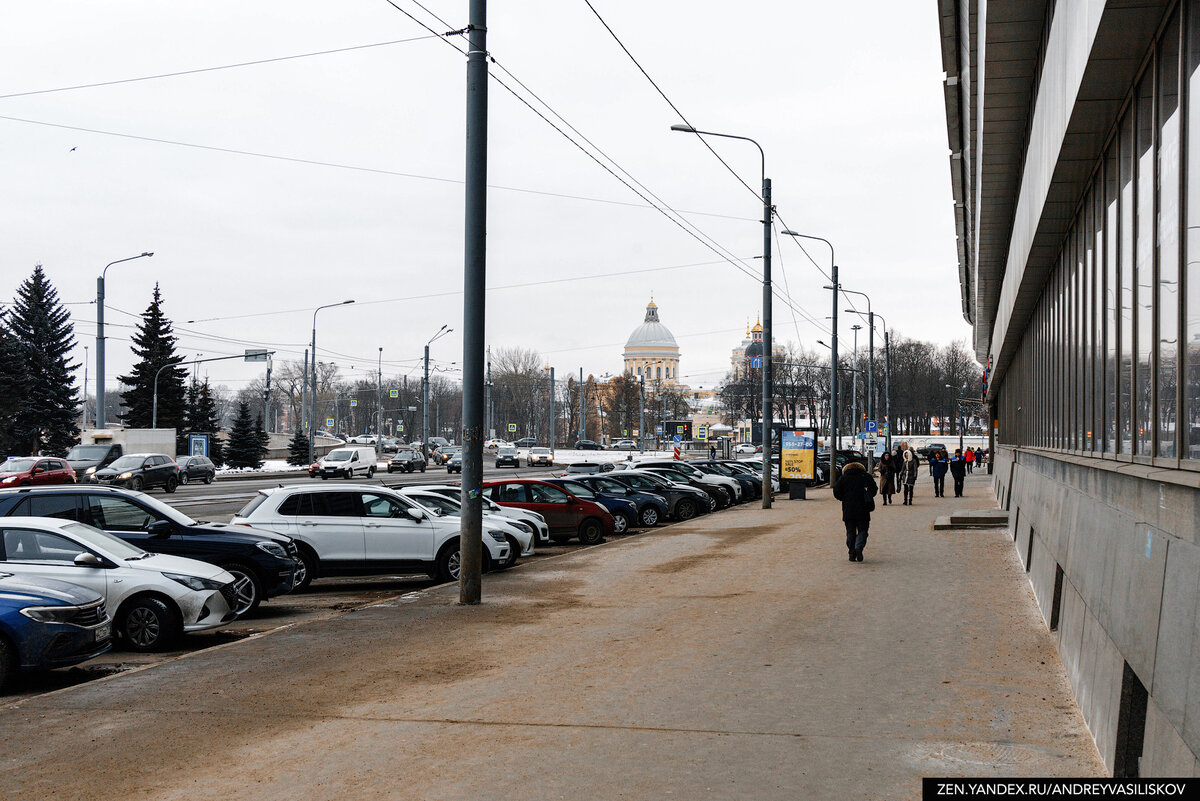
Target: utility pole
(470, 585)
(582, 413)
(267, 400)
(101, 415)
(768, 389)
(854, 384)
(304, 397)
(833, 382)
(425, 408)
(887, 384)
(379, 406)
(487, 403)
(641, 412)
(552, 439)
(85, 366)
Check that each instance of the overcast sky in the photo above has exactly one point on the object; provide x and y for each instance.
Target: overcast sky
(845, 98)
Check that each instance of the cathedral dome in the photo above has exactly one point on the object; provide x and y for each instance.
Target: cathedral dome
(651, 333)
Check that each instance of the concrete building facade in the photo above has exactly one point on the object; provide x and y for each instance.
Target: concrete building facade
(1070, 125)
(651, 352)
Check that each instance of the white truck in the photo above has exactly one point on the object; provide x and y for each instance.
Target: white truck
(99, 447)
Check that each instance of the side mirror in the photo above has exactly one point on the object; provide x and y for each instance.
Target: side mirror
(37, 470)
(88, 559)
(145, 464)
(415, 514)
(160, 528)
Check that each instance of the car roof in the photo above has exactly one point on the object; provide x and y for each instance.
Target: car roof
(323, 488)
(91, 489)
(56, 523)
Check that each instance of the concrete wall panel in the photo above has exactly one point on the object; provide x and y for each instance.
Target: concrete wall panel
(1164, 753)
(1140, 567)
(1177, 636)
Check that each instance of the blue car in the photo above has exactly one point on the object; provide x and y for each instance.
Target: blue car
(652, 509)
(624, 511)
(49, 624)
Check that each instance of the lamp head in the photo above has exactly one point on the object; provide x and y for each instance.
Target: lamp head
(344, 302)
(827, 286)
(790, 232)
(683, 128)
(147, 254)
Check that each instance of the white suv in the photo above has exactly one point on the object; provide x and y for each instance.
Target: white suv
(364, 530)
(532, 520)
(519, 535)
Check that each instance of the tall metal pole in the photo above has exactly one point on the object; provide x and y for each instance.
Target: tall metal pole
(470, 584)
(304, 396)
(833, 382)
(854, 385)
(641, 412)
(887, 384)
(267, 401)
(312, 393)
(379, 406)
(552, 439)
(487, 403)
(425, 407)
(85, 369)
(101, 416)
(871, 384)
(767, 388)
(582, 413)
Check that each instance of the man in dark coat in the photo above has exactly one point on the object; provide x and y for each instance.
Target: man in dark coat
(958, 469)
(856, 490)
(937, 469)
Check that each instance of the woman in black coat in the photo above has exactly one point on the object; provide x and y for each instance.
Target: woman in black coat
(856, 490)
(887, 477)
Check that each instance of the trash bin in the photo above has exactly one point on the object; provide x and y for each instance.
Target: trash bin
(797, 491)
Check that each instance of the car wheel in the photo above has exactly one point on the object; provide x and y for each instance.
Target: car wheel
(208, 479)
(685, 510)
(422, 468)
(136, 483)
(305, 572)
(449, 562)
(183, 477)
(390, 469)
(349, 476)
(148, 624)
(326, 478)
(171, 484)
(249, 589)
(591, 532)
(514, 550)
(649, 516)
(370, 472)
(8, 662)
(621, 523)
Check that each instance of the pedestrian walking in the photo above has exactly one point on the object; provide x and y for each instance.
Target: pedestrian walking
(908, 474)
(712, 451)
(937, 468)
(969, 457)
(958, 469)
(887, 477)
(856, 490)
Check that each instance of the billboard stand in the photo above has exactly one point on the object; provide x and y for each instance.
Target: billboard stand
(798, 459)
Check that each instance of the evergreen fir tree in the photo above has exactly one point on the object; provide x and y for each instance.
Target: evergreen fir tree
(154, 345)
(47, 415)
(298, 449)
(244, 443)
(200, 417)
(13, 380)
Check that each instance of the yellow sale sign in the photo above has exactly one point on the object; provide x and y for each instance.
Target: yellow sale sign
(798, 459)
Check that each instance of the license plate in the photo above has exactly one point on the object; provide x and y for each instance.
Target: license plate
(102, 632)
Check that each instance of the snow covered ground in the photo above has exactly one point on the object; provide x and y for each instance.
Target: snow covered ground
(562, 458)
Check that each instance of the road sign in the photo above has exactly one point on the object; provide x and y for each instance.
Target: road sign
(257, 355)
(658, 429)
(512, 428)
(353, 401)
(678, 454)
(859, 435)
(400, 426)
(393, 393)
(329, 422)
(872, 426)
(625, 431)
(756, 362)
(702, 432)
(678, 438)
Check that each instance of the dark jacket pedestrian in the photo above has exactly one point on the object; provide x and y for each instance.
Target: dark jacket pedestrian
(887, 477)
(958, 469)
(856, 490)
(938, 463)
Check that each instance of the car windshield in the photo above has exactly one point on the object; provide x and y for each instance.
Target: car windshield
(17, 465)
(95, 538)
(608, 485)
(580, 490)
(540, 451)
(81, 452)
(161, 509)
(338, 456)
(655, 478)
(718, 469)
(127, 462)
(508, 451)
(440, 503)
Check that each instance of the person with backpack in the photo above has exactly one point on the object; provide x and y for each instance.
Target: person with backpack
(958, 469)
(856, 490)
(937, 469)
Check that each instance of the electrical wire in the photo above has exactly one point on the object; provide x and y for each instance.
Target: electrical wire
(200, 70)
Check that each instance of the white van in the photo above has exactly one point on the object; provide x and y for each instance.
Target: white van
(347, 463)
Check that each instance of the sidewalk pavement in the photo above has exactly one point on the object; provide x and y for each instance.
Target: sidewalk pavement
(737, 656)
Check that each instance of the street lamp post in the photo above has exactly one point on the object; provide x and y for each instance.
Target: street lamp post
(833, 361)
(870, 364)
(768, 214)
(312, 411)
(854, 384)
(379, 406)
(100, 414)
(441, 332)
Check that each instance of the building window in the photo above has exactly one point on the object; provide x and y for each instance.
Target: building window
(1125, 266)
(1143, 107)
(1112, 308)
(1167, 358)
(1191, 396)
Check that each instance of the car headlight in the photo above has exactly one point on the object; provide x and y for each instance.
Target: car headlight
(194, 582)
(50, 614)
(273, 548)
(498, 536)
(125, 476)
(90, 470)
(538, 516)
(8, 480)
(521, 525)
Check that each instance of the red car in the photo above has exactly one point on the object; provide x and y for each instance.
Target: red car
(566, 515)
(24, 471)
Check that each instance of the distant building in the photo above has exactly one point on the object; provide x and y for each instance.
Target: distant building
(651, 351)
(744, 357)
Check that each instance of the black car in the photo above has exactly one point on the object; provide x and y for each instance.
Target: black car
(588, 445)
(508, 457)
(751, 484)
(263, 564)
(652, 507)
(455, 463)
(526, 442)
(139, 471)
(683, 502)
(406, 462)
(719, 497)
(196, 468)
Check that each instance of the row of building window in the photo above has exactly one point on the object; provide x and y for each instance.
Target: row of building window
(657, 370)
(1100, 364)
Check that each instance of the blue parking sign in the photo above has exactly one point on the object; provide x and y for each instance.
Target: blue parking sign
(872, 426)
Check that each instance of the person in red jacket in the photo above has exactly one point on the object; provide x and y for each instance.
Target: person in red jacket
(969, 458)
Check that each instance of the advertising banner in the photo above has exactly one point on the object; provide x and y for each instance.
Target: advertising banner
(799, 455)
